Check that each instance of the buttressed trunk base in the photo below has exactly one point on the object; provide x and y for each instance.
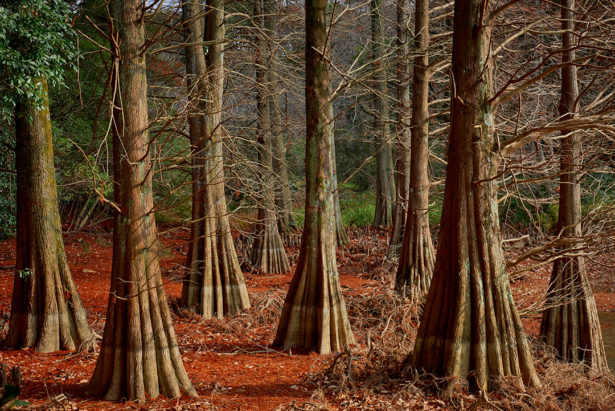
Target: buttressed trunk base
(139, 356)
(417, 255)
(314, 316)
(268, 254)
(46, 311)
(570, 322)
(214, 284)
(470, 325)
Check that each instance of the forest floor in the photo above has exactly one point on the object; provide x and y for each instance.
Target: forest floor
(232, 366)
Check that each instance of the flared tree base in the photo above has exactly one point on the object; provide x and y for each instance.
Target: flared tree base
(570, 322)
(416, 264)
(145, 361)
(314, 316)
(215, 286)
(268, 255)
(47, 313)
(471, 329)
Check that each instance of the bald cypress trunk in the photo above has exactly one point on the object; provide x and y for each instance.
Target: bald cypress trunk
(287, 224)
(402, 157)
(139, 354)
(417, 255)
(385, 184)
(214, 283)
(570, 322)
(470, 326)
(341, 237)
(268, 254)
(46, 311)
(314, 316)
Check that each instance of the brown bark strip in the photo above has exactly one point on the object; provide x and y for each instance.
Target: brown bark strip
(402, 139)
(139, 356)
(314, 316)
(385, 183)
(268, 254)
(214, 283)
(287, 226)
(570, 322)
(417, 255)
(470, 326)
(46, 311)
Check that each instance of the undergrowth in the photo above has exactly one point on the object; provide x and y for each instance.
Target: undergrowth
(377, 374)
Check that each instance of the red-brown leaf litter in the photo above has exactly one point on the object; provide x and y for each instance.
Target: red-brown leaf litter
(229, 361)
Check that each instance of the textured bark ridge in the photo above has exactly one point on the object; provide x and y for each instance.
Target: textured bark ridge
(470, 327)
(402, 139)
(385, 183)
(570, 322)
(267, 254)
(46, 311)
(287, 226)
(417, 255)
(139, 356)
(314, 316)
(341, 237)
(214, 283)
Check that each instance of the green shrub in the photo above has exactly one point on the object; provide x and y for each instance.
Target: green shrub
(548, 217)
(357, 208)
(359, 216)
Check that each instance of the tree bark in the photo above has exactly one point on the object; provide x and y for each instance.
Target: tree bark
(470, 325)
(341, 237)
(139, 354)
(214, 284)
(385, 184)
(46, 311)
(417, 255)
(402, 138)
(570, 322)
(287, 225)
(314, 316)
(267, 254)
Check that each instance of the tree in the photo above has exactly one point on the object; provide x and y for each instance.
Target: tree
(417, 254)
(402, 138)
(268, 254)
(470, 324)
(341, 237)
(314, 315)
(570, 322)
(385, 185)
(214, 282)
(287, 225)
(46, 311)
(139, 354)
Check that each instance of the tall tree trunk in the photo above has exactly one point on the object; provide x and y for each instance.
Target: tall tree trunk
(268, 254)
(314, 316)
(46, 311)
(139, 354)
(214, 283)
(341, 237)
(570, 322)
(385, 184)
(287, 225)
(470, 325)
(417, 255)
(402, 138)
